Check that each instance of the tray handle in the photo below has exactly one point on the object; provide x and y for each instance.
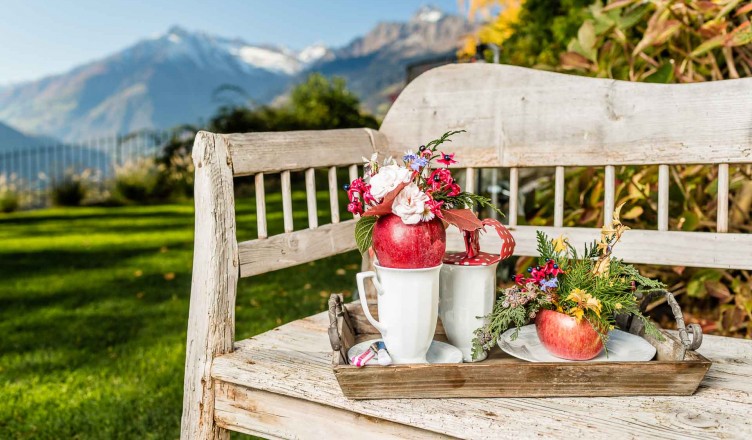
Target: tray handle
(336, 314)
(687, 343)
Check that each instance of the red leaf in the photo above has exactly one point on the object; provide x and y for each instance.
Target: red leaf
(385, 207)
(465, 219)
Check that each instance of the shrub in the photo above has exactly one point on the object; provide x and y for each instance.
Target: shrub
(140, 181)
(71, 190)
(10, 199)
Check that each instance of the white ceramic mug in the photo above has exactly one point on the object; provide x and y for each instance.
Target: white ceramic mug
(408, 304)
(467, 294)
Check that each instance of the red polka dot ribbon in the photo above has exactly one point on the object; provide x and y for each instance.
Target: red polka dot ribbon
(472, 256)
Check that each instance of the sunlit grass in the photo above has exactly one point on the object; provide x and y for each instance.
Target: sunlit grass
(94, 307)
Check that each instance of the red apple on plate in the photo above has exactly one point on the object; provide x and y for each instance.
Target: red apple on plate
(566, 338)
(403, 246)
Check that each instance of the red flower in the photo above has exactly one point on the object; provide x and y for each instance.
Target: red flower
(355, 207)
(446, 159)
(435, 207)
(454, 190)
(440, 178)
(360, 191)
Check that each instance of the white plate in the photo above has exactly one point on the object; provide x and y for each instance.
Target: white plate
(438, 352)
(622, 346)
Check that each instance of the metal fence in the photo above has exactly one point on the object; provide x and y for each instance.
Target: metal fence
(32, 172)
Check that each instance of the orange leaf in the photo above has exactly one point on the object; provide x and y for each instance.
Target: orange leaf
(574, 61)
(464, 219)
(743, 10)
(385, 207)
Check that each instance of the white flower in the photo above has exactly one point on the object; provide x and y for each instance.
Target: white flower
(410, 205)
(387, 179)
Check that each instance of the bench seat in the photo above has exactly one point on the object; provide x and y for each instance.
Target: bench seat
(280, 384)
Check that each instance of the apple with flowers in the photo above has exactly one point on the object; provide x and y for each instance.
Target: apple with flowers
(403, 207)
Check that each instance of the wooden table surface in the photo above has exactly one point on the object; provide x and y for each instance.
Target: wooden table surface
(295, 361)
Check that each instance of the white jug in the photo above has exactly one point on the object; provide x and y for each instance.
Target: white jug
(408, 305)
(467, 295)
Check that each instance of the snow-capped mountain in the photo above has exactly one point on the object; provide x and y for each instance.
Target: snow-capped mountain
(182, 77)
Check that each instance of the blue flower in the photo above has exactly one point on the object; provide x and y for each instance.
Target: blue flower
(549, 284)
(419, 163)
(409, 156)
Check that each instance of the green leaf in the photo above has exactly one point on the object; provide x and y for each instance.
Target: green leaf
(707, 46)
(586, 38)
(364, 233)
(664, 74)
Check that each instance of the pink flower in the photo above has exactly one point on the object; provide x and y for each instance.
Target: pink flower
(440, 178)
(454, 190)
(355, 207)
(435, 207)
(446, 159)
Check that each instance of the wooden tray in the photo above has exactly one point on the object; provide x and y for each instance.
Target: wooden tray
(674, 371)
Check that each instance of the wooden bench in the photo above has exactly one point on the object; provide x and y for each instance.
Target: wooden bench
(280, 384)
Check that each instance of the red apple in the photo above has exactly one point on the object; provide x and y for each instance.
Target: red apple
(566, 338)
(404, 246)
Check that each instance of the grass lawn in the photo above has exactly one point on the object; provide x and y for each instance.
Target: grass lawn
(94, 308)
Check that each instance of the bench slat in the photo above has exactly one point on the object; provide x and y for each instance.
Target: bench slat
(674, 248)
(271, 152)
(532, 118)
(286, 250)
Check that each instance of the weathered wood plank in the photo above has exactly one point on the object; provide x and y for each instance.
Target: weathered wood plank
(286, 201)
(272, 415)
(677, 248)
(260, 205)
(333, 194)
(523, 117)
(211, 320)
(609, 195)
(559, 197)
(295, 360)
(286, 250)
(310, 184)
(663, 197)
(296, 150)
(514, 194)
(723, 198)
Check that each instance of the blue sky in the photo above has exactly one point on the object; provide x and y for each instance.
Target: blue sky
(38, 38)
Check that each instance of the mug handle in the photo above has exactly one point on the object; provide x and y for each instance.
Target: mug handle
(360, 278)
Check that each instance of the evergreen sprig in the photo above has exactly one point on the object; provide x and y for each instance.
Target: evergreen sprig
(434, 144)
(593, 286)
(466, 200)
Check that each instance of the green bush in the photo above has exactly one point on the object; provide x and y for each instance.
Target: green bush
(70, 190)
(10, 199)
(140, 181)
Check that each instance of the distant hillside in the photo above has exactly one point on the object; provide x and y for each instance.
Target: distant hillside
(12, 139)
(183, 77)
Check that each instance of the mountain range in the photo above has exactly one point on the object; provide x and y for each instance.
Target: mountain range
(183, 77)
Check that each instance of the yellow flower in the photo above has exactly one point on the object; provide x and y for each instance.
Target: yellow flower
(618, 306)
(585, 301)
(559, 244)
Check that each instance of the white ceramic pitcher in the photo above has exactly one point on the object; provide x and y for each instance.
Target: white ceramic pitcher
(408, 305)
(467, 294)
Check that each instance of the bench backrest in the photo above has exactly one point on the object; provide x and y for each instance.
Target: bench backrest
(514, 118)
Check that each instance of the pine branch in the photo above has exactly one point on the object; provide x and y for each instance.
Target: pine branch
(434, 144)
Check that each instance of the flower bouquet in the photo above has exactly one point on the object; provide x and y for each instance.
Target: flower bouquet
(403, 209)
(573, 298)
(402, 206)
